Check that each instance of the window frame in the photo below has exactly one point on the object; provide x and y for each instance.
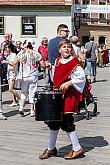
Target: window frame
(29, 25)
(102, 16)
(86, 2)
(2, 23)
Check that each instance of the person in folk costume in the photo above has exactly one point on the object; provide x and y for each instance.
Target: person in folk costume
(70, 78)
(100, 56)
(105, 56)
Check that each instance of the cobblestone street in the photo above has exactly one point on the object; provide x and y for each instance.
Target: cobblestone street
(22, 139)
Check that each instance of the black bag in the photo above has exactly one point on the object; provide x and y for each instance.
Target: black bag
(88, 53)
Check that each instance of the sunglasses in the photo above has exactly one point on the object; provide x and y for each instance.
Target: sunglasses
(66, 31)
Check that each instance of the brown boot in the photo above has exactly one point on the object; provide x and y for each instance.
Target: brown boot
(48, 153)
(74, 154)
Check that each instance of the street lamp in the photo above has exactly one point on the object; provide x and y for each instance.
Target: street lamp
(75, 18)
(72, 18)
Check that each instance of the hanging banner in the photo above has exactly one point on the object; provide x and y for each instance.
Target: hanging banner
(91, 8)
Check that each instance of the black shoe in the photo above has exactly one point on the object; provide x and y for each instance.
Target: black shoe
(21, 113)
(94, 80)
(2, 117)
(48, 153)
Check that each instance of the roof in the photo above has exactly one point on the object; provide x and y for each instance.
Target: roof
(34, 2)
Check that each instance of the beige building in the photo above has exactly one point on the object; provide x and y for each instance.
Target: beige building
(38, 18)
(94, 22)
(33, 19)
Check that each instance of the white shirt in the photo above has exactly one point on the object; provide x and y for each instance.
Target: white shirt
(76, 49)
(28, 62)
(11, 58)
(77, 77)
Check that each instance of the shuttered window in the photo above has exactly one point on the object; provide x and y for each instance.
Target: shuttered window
(1, 25)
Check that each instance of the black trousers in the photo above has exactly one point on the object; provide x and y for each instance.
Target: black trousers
(67, 123)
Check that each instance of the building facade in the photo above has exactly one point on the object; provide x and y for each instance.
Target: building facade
(94, 22)
(33, 19)
(39, 18)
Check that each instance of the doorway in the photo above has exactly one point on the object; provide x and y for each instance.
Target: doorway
(102, 40)
(85, 39)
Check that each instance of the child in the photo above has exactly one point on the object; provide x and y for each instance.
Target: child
(69, 77)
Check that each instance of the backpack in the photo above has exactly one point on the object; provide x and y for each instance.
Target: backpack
(88, 52)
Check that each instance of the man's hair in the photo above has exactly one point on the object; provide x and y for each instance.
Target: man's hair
(44, 38)
(61, 26)
(29, 45)
(65, 41)
(91, 38)
(74, 39)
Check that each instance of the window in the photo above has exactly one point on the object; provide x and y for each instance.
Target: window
(102, 16)
(29, 25)
(102, 2)
(1, 25)
(86, 2)
(86, 15)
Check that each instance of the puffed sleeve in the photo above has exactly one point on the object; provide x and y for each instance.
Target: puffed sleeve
(78, 78)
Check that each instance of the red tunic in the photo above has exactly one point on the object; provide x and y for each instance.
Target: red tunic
(61, 75)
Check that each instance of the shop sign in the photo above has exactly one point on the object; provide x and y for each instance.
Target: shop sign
(91, 8)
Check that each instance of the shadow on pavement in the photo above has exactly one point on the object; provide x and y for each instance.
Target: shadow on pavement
(11, 113)
(16, 112)
(7, 102)
(10, 101)
(101, 80)
(82, 116)
(88, 144)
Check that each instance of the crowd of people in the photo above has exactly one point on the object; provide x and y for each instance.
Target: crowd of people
(69, 66)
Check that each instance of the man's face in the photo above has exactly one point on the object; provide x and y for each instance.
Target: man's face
(45, 42)
(6, 37)
(64, 32)
(18, 44)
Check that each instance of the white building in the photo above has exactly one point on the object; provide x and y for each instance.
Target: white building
(33, 19)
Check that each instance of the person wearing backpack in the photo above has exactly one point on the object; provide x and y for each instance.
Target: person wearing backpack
(91, 59)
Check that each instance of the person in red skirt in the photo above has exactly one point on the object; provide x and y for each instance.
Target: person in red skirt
(70, 78)
(105, 56)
